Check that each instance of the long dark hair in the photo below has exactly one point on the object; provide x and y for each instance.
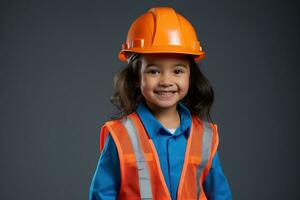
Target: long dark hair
(127, 96)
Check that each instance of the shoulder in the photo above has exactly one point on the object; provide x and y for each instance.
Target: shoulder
(205, 123)
(105, 131)
(112, 124)
(112, 127)
(121, 119)
(210, 130)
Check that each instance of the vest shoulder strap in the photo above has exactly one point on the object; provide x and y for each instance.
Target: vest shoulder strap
(104, 131)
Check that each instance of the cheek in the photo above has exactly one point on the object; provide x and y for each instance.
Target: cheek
(184, 83)
(146, 83)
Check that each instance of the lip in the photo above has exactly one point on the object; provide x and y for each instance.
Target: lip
(164, 92)
(158, 91)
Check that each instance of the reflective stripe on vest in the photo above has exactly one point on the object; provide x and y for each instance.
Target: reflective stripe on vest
(205, 152)
(141, 162)
(141, 174)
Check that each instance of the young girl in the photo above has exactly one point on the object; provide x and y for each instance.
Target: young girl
(164, 144)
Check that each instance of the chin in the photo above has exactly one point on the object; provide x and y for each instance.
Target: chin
(165, 104)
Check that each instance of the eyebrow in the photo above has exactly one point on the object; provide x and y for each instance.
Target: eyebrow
(176, 65)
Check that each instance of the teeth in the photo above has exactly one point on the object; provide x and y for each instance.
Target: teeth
(162, 92)
(165, 93)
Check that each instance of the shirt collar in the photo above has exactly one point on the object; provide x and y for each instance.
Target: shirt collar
(153, 126)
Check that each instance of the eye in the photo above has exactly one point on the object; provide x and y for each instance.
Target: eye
(178, 71)
(153, 71)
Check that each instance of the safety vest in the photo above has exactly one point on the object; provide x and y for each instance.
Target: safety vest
(141, 174)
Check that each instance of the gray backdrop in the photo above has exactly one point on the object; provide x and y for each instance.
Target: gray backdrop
(57, 61)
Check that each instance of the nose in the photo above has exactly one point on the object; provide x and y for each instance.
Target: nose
(165, 80)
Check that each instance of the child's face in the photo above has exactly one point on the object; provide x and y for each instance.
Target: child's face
(164, 79)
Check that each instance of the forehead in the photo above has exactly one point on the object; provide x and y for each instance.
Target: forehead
(164, 58)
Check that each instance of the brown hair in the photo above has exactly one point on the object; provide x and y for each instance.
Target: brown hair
(127, 96)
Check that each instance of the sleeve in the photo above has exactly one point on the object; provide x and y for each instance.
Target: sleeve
(106, 181)
(216, 186)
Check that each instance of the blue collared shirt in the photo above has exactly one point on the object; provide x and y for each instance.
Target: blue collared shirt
(171, 151)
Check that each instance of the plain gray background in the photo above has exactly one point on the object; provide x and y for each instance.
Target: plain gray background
(57, 61)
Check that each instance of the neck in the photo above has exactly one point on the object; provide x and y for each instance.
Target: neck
(168, 117)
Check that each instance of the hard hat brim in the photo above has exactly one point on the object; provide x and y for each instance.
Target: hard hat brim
(199, 55)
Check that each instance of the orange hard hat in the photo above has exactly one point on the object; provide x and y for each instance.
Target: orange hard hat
(161, 30)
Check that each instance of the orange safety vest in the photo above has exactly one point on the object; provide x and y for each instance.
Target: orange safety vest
(141, 174)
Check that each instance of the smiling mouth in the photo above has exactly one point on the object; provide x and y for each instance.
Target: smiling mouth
(165, 93)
